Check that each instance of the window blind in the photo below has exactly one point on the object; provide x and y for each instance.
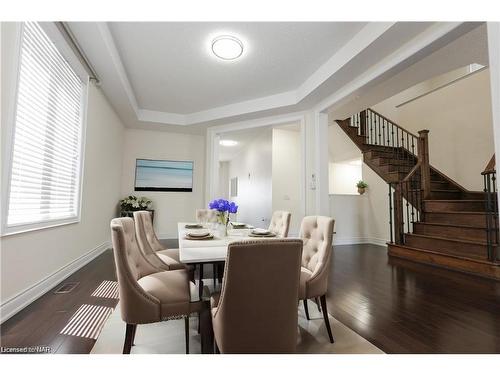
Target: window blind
(45, 171)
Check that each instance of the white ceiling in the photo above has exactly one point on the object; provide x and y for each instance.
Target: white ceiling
(160, 75)
(171, 67)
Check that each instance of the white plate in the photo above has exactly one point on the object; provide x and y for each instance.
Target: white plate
(260, 231)
(198, 233)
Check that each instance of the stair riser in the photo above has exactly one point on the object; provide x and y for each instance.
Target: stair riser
(440, 185)
(445, 195)
(473, 251)
(463, 265)
(471, 234)
(459, 219)
(454, 206)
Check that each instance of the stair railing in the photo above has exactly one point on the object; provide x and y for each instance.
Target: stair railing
(407, 195)
(491, 209)
(378, 130)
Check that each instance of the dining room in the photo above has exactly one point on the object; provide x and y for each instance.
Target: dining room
(216, 192)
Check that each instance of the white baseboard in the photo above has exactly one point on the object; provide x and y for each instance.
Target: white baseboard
(18, 302)
(359, 240)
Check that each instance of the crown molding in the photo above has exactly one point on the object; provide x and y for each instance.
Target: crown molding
(291, 99)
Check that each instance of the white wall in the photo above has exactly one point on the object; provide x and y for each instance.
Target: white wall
(170, 207)
(31, 261)
(224, 182)
(358, 218)
(286, 160)
(458, 117)
(253, 167)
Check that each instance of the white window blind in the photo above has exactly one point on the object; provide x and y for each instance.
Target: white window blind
(45, 170)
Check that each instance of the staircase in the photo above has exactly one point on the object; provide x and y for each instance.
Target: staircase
(433, 219)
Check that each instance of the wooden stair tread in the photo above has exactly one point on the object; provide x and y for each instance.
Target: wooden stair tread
(484, 243)
(454, 200)
(447, 255)
(458, 212)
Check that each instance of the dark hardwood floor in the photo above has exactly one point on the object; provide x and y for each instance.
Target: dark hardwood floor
(406, 307)
(399, 306)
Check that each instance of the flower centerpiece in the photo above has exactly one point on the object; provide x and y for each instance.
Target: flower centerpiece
(224, 208)
(133, 203)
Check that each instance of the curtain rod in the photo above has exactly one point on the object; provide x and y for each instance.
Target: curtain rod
(71, 40)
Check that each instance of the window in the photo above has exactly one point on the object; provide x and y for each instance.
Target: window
(44, 184)
(344, 176)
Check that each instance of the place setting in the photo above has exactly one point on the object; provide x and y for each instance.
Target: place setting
(261, 233)
(198, 235)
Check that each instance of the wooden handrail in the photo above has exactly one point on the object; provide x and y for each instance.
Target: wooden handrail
(392, 122)
(490, 167)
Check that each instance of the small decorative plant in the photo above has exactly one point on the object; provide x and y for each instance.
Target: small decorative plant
(133, 203)
(361, 185)
(224, 208)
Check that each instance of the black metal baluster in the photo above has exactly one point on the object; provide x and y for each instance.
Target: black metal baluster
(390, 212)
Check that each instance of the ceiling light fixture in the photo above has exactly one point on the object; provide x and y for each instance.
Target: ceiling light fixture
(227, 142)
(227, 47)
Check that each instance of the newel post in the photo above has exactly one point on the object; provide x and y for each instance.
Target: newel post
(425, 169)
(398, 214)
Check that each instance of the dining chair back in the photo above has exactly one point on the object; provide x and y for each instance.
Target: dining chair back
(206, 215)
(317, 235)
(151, 246)
(147, 293)
(280, 223)
(257, 308)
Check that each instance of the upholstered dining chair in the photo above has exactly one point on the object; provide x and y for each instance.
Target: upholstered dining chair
(256, 312)
(206, 215)
(166, 259)
(316, 233)
(148, 294)
(280, 223)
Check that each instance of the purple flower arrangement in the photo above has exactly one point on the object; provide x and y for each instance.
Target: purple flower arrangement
(225, 208)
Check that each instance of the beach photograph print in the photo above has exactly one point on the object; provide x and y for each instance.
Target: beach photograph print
(163, 175)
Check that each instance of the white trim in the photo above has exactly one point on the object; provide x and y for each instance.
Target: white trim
(16, 303)
(493, 30)
(363, 39)
(321, 163)
(359, 240)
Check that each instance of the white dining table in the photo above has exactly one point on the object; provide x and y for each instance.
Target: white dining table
(208, 251)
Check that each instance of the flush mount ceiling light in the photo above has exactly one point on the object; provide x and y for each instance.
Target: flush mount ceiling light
(227, 142)
(227, 47)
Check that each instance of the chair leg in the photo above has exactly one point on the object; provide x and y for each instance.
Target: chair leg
(200, 290)
(214, 271)
(317, 303)
(216, 347)
(129, 338)
(133, 334)
(306, 309)
(325, 317)
(186, 332)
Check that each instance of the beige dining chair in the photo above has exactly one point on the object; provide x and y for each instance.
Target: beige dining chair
(256, 310)
(206, 215)
(317, 234)
(148, 242)
(148, 294)
(151, 246)
(280, 223)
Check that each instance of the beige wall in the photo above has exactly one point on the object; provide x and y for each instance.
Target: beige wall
(286, 175)
(458, 117)
(170, 207)
(28, 258)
